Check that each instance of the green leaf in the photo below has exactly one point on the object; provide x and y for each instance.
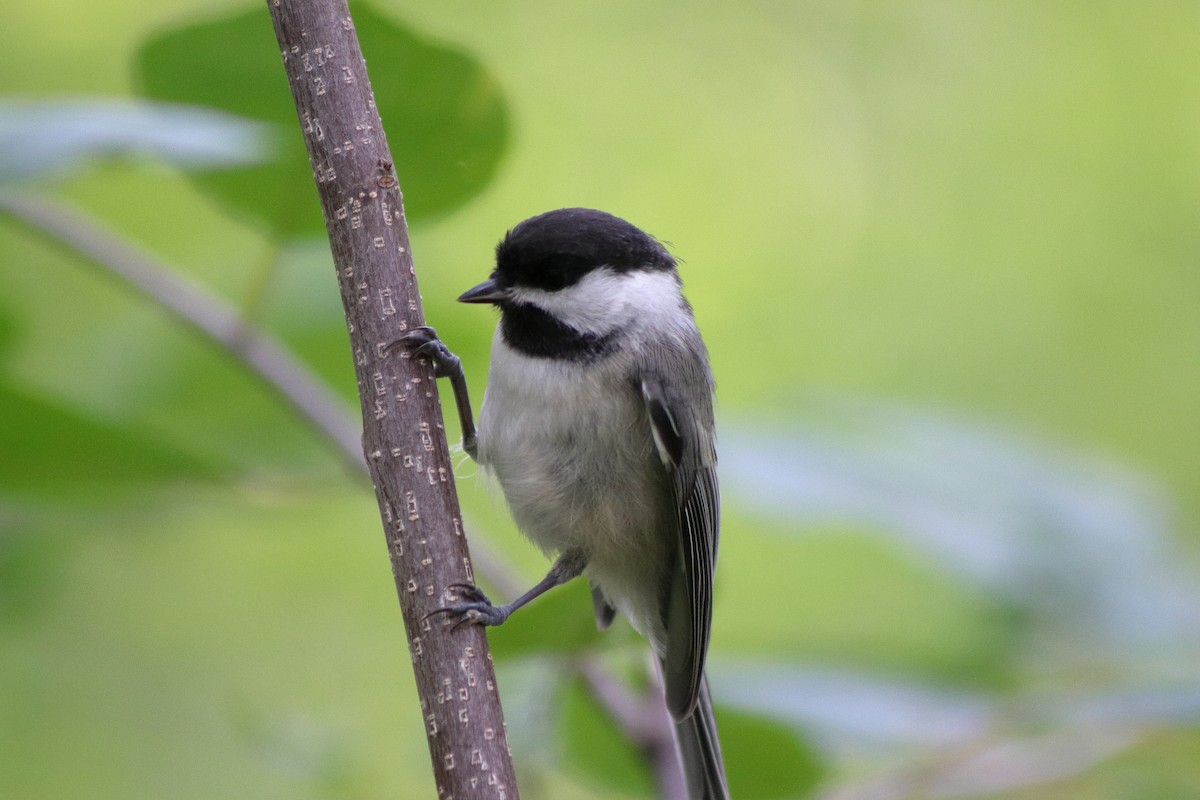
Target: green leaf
(446, 117)
(765, 759)
(31, 571)
(50, 449)
(593, 747)
(560, 621)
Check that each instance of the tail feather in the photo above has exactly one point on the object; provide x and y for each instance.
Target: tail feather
(701, 751)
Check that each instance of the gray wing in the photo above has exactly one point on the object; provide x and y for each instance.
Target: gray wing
(681, 422)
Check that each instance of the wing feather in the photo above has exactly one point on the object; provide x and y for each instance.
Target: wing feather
(683, 437)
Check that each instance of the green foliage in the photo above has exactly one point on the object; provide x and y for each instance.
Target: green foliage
(54, 451)
(983, 218)
(29, 573)
(593, 747)
(445, 115)
(765, 759)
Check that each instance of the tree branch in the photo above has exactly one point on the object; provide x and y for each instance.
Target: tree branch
(403, 433)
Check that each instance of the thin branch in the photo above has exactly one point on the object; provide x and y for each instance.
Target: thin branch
(403, 432)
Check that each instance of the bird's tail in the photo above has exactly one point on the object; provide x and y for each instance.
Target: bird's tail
(701, 751)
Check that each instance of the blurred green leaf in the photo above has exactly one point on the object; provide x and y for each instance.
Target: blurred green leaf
(764, 758)
(446, 117)
(49, 136)
(30, 572)
(50, 449)
(1065, 543)
(593, 747)
(560, 621)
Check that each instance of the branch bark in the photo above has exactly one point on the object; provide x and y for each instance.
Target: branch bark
(403, 434)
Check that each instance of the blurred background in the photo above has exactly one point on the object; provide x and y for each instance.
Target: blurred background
(945, 259)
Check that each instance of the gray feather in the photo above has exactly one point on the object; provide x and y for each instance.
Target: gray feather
(683, 435)
(700, 750)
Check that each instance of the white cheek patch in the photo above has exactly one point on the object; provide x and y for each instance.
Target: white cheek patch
(605, 300)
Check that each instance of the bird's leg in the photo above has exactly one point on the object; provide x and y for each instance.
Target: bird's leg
(424, 341)
(473, 605)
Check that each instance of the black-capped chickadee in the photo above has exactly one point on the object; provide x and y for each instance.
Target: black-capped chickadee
(598, 424)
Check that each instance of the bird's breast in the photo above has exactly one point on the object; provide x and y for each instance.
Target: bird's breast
(571, 447)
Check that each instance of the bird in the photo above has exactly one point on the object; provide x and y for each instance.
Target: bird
(597, 422)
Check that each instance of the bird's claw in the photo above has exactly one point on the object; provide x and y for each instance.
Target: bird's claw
(424, 341)
(471, 608)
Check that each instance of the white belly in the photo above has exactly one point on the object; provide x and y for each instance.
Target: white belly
(575, 457)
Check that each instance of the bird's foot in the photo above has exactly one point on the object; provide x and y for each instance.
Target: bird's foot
(424, 341)
(471, 608)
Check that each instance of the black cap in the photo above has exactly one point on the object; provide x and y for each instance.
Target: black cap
(554, 250)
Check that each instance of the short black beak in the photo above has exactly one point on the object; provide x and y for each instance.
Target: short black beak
(486, 292)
